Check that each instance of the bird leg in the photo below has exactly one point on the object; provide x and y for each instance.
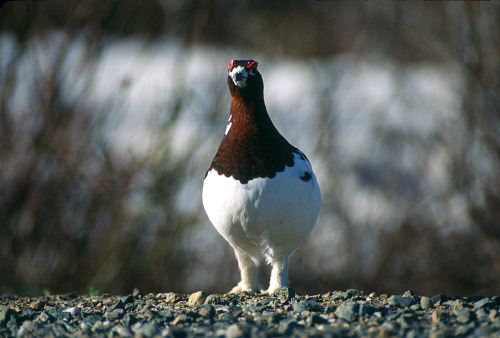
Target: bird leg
(279, 274)
(249, 274)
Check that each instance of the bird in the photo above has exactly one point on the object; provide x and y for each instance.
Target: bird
(260, 192)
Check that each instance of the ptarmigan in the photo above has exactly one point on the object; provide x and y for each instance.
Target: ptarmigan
(260, 192)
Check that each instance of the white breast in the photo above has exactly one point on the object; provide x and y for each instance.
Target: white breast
(273, 214)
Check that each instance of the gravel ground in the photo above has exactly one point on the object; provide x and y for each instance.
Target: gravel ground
(338, 313)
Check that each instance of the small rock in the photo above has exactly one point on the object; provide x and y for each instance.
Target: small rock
(74, 311)
(409, 293)
(27, 329)
(348, 311)
(493, 316)
(473, 299)
(272, 317)
(354, 293)
(316, 319)
(400, 301)
(405, 321)
(463, 315)
(234, 331)
(482, 315)
(129, 319)
(287, 325)
(344, 295)
(285, 293)
(130, 306)
(464, 330)
(121, 331)
(214, 299)
(148, 329)
(227, 317)
(366, 309)
(46, 317)
(439, 299)
(267, 301)
(91, 319)
(38, 305)
(12, 325)
(167, 314)
(330, 309)
(484, 331)
(172, 298)
(197, 298)
(425, 303)
(484, 303)
(149, 313)
(182, 318)
(98, 326)
(390, 327)
(6, 315)
(85, 327)
(256, 307)
(206, 310)
(307, 305)
(118, 305)
(436, 316)
(168, 332)
(27, 313)
(115, 314)
(127, 299)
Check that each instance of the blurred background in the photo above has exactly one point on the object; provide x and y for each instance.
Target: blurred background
(111, 111)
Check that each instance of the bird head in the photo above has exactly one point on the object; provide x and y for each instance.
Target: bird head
(243, 76)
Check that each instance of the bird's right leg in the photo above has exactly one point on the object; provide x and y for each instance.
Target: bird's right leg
(249, 270)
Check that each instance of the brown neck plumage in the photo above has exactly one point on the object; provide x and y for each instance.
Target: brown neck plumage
(252, 147)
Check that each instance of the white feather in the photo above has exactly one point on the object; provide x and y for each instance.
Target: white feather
(268, 215)
(242, 72)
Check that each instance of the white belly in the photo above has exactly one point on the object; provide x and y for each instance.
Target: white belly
(272, 214)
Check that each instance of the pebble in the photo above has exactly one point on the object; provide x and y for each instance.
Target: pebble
(197, 298)
(284, 313)
(425, 303)
(234, 331)
(400, 301)
(115, 314)
(438, 299)
(285, 293)
(463, 315)
(38, 305)
(148, 329)
(307, 305)
(74, 311)
(344, 295)
(172, 297)
(348, 311)
(206, 310)
(214, 299)
(485, 303)
(5, 315)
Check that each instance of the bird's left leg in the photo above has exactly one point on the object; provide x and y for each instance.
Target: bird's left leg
(279, 273)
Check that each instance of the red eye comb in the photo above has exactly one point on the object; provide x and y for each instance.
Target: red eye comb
(230, 64)
(252, 64)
